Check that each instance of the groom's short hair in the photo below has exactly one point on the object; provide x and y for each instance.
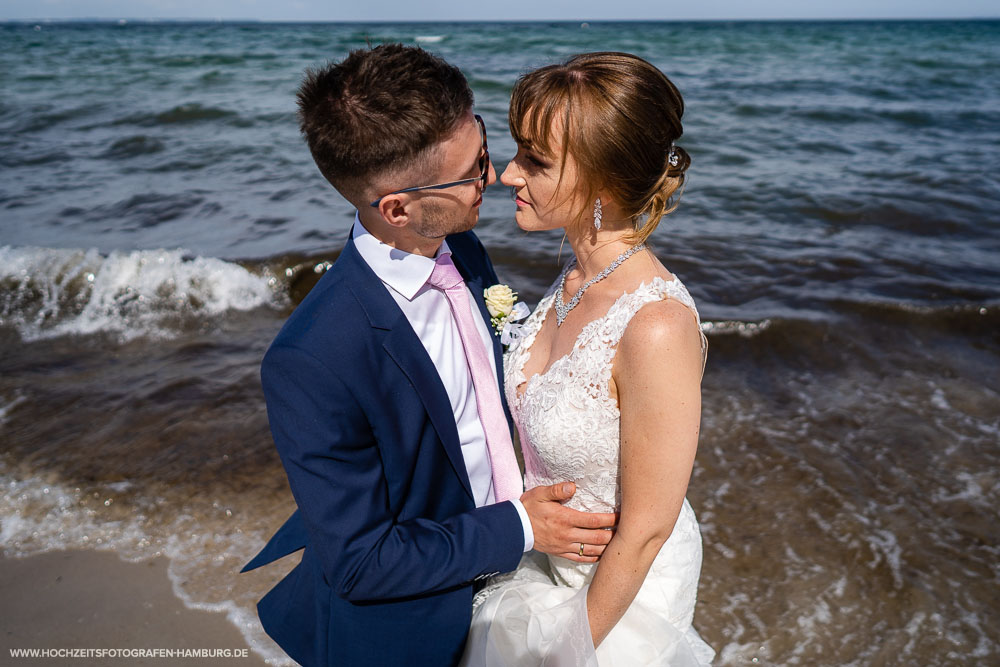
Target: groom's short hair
(380, 110)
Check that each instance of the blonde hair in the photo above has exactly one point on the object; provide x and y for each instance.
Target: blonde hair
(620, 117)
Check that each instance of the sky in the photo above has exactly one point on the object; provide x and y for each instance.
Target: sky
(513, 10)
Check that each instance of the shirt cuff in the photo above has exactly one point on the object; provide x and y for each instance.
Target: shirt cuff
(529, 535)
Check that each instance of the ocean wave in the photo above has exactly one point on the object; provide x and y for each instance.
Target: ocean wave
(182, 114)
(132, 147)
(485, 85)
(48, 292)
(45, 116)
(819, 338)
(965, 318)
(203, 60)
(140, 211)
(12, 159)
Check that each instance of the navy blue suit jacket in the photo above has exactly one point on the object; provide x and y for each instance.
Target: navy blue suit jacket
(364, 428)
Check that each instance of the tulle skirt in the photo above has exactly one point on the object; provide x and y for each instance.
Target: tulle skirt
(537, 615)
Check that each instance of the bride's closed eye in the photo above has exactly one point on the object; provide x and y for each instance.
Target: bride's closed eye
(537, 162)
(529, 158)
(534, 162)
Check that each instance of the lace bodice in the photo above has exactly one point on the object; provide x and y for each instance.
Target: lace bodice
(566, 418)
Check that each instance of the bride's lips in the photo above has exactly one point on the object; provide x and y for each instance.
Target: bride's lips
(520, 202)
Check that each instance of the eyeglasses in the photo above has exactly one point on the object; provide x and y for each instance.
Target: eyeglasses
(484, 171)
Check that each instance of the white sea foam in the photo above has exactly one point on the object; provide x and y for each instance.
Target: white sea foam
(50, 292)
(745, 329)
(938, 400)
(6, 405)
(973, 490)
(750, 653)
(885, 546)
(429, 39)
(914, 628)
(809, 619)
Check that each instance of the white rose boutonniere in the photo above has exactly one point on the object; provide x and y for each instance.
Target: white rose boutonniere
(499, 300)
(504, 309)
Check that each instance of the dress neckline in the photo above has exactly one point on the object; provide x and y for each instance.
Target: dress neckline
(585, 332)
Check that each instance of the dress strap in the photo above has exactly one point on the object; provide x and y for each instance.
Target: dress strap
(624, 309)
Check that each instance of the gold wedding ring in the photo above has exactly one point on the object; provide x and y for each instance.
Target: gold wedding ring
(581, 548)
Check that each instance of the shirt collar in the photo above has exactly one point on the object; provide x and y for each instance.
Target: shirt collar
(402, 271)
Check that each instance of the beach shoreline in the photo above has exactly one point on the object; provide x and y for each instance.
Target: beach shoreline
(95, 600)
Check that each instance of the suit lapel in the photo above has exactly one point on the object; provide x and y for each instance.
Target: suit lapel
(405, 349)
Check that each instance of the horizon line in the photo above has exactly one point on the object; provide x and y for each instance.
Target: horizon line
(155, 19)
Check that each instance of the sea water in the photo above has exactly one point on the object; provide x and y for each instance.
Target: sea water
(160, 217)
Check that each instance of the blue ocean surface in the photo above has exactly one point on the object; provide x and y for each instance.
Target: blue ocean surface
(160, 216)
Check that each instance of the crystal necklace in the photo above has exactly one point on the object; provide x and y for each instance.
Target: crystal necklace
(562, 310)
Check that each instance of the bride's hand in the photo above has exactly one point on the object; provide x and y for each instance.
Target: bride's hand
(559, 531)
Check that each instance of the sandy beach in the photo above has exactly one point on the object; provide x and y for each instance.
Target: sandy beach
(95, 600)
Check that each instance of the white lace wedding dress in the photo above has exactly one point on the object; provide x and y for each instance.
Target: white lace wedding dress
(569, 429)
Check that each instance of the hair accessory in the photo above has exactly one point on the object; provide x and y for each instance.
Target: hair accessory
(597, 213)
(673, 159)
(562, 310)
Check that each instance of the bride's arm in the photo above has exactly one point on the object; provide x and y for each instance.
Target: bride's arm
(657, 374)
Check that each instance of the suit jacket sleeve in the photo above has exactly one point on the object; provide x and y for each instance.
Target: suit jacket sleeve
(336, 474)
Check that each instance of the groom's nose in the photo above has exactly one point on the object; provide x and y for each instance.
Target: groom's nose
(491, 177)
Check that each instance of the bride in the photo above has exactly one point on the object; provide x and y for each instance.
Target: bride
(604, 383)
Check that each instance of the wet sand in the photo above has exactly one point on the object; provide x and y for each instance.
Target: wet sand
(87, 599)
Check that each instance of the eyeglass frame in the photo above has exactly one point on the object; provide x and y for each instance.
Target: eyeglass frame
(484, 176)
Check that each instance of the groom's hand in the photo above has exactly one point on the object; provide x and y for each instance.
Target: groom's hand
(559, 530)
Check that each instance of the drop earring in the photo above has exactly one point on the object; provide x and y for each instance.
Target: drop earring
(597, 213)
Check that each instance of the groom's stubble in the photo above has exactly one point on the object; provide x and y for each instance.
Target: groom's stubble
(438, 220)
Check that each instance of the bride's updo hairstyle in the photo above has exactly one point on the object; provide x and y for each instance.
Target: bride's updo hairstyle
(619, 118)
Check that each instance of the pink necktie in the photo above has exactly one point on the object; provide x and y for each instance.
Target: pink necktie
(507, 483)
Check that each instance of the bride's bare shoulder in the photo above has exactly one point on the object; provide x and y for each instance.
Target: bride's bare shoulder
(661, 331)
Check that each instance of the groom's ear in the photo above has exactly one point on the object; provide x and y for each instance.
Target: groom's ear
(395, 209)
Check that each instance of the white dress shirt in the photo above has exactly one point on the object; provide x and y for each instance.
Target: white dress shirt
(427, 309)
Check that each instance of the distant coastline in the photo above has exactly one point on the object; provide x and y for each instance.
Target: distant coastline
(125, 20)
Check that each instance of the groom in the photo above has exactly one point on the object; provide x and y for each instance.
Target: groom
(383, 388)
